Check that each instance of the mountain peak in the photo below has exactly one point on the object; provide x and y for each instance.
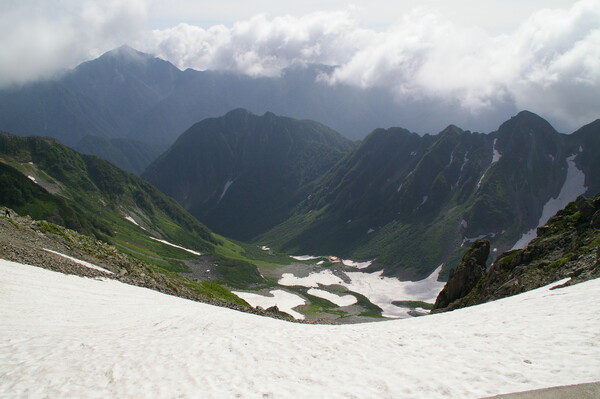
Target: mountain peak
(451, 130)
(127, 52)
(526, 122)
(238, 113)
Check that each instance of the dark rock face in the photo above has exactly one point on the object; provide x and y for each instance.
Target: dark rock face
(469, 272)
(585, 206)
(242, 173)
(568, 246)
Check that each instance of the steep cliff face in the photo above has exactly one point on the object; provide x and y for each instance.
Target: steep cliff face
(568, 246)
(469, 272)
(242, 173)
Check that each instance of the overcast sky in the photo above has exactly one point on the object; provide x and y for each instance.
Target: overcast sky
(540, 55)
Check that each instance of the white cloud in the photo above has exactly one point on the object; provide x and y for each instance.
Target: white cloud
(550, 64)
(39, 38)
(260, 46)
(559, 70)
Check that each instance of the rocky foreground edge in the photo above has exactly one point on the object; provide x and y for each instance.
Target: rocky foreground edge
(568, 246)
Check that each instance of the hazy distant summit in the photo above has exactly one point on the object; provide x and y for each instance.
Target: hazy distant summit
(129, 94)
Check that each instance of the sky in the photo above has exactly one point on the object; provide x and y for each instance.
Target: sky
(538, 55)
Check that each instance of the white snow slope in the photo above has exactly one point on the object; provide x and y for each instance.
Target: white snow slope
(71, 337)
(382, 291)
(573, 187)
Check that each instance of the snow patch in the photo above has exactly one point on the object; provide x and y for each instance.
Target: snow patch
(130, 219)
(79, 261)
(176, 246)
(227, 185)
(573, 187)
(358, 265)
(480, 180)
(67, 336)
(496, 154)
(325, 277)
(284, 300)
(382, 291)
(479, 237)
(465, 160)
(339, 300)
(304, 257)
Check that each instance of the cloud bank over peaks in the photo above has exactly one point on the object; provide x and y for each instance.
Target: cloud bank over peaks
(261, 46)
(551, 64)
(40, 37)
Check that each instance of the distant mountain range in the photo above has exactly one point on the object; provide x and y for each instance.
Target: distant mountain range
(132, 96)
(412, 202)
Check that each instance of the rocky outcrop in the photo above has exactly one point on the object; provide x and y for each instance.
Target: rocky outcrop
(568, 246)
(469, 272)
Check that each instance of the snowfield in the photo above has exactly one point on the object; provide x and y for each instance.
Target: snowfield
(285, 301)
(67, 336)
(382, 291)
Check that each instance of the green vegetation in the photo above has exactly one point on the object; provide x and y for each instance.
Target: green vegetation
(93, 197)
(237, 273)
(371, 313)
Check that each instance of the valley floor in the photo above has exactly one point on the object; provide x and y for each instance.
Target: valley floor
(68, 336)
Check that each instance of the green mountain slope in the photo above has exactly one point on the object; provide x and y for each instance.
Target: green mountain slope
(130, 155)
(414, 202)
(241, 174)
(93, 197)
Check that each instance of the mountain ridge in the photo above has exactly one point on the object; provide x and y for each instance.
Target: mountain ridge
(127, 94)
(240, 173)
(460, 186)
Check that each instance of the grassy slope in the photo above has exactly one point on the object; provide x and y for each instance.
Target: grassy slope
(92, 196)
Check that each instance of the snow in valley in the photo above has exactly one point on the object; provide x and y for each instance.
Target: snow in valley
(285, 301)
(67, 336)
(382, 291)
